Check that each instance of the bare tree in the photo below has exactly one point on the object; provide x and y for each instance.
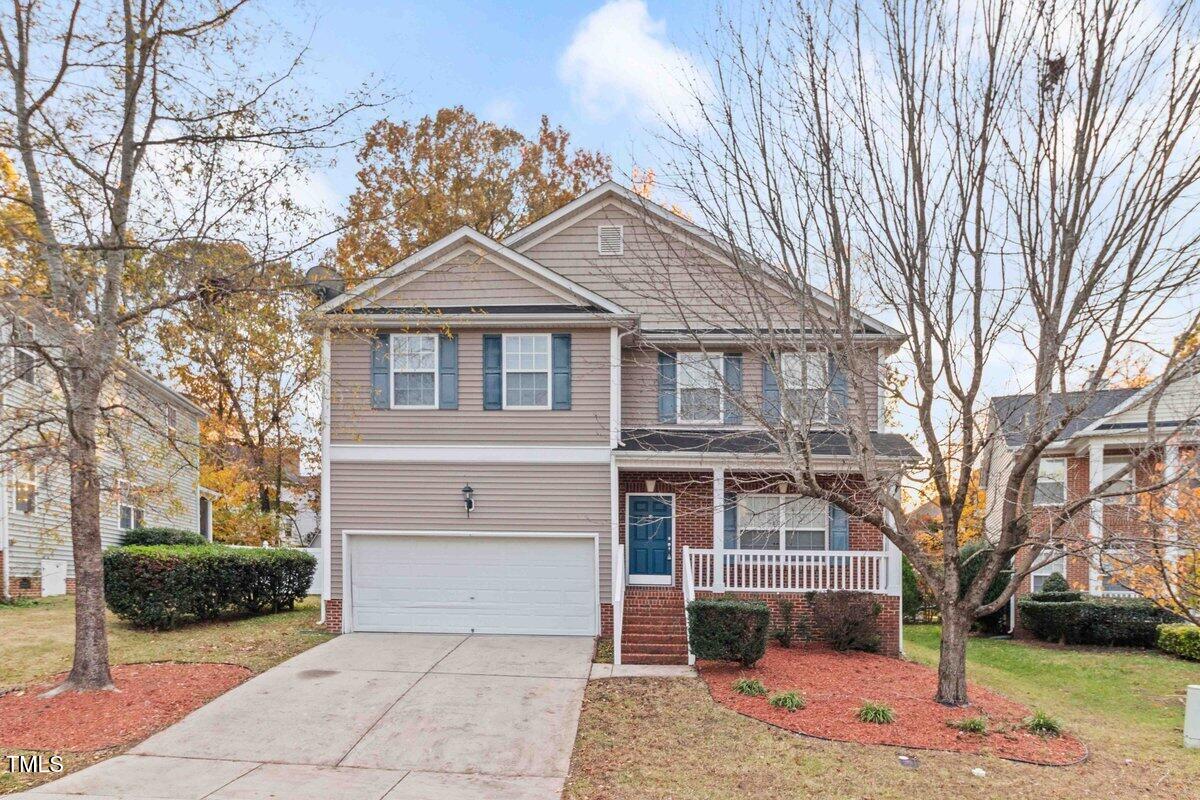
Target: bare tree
(137, 128)
(1011, 186)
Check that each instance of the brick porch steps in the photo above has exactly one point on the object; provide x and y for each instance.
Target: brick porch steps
(654, 628)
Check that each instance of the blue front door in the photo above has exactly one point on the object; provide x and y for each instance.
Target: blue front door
(650, 533)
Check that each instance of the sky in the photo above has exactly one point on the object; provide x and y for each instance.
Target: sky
(604, 70)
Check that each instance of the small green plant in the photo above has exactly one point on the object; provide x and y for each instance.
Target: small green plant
(751, 687)
(970, 725)
(1043, 724)
(1055, 582)
(876, 713)
(787, 626)
(789, 701)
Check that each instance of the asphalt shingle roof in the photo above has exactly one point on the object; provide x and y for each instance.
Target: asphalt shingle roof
(708, 440)
(1013, 411)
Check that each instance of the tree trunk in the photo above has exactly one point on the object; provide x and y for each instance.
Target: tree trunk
(90, 669)
(952, 661)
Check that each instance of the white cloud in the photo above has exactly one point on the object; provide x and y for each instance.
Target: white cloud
(620, 62)
(501, 110)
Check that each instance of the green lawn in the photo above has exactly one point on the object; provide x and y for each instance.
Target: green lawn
(36, 642)
(655, 739)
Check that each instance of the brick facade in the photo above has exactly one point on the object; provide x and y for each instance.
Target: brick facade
(606, 620)
(333, 616)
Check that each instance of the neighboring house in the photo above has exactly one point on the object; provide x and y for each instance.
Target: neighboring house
(1110, 431)
(519, 437)
(149, 466)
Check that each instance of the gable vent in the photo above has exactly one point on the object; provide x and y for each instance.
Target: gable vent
(610, 240)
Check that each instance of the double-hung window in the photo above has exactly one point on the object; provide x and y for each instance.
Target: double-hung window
(25, 489)
(1051, 488)
(805, 389)
(1123, 485)
(171, 415)
(1052, 560)
(527, 370)
(781, 522)
(24, 361)
(129, 506)
(414, 370)
(700, 377)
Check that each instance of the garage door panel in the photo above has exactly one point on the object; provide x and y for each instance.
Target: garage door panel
(510, 584)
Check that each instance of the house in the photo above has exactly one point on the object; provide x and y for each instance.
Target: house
(523, 436)
(149, 467)
(1110, 431)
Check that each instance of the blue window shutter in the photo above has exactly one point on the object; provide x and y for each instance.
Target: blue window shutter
(839, 528)
(560, 369)
(493, 383)
(838, 396)
(730, 521)
(380, 371)
(733, 385)
(770, 391)
(666, 387)
(447, 371)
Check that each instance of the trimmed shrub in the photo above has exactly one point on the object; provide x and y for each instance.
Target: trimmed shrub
(876, 713)
(970, 565)
(164, 586)
(1182, 639)
(1055, 582)
(850, 620)
(1056, 597)
(751, 687)
(789, 701)
(1131, 622)
(150, 536)
(728, 630)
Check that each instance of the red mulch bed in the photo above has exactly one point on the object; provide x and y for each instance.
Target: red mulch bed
(837, 684)
(150, 697)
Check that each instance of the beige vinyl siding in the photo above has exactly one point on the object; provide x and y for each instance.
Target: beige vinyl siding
(1179, 402)
(170, 476)
(508, 497)
(470, 278)
(659, 275)
(354, 421)
(639, 387)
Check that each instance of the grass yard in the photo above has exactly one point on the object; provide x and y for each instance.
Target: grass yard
(36, 641)
(653, 738)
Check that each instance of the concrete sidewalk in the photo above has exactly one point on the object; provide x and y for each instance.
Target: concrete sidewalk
(370, 717)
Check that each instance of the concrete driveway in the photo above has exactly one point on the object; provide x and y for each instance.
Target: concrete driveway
(370, 716)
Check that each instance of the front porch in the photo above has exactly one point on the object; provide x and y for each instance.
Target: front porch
(746, 533)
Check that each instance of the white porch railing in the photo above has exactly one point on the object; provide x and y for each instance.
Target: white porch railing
(789, 571)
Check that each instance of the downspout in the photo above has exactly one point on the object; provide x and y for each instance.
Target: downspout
(4, 534)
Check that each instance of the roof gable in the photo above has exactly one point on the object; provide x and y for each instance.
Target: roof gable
(458, 251)
(1012, 412)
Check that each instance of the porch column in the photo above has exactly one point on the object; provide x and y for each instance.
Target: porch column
(718, 530)
(1171, 473)
(1095, 514)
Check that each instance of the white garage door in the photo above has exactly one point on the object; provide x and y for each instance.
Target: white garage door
(450, 584)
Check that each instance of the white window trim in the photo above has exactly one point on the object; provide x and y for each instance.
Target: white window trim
(620, 240)
(125, 492)
(19, 375)
(1056, 567)
(37, 482)
(784, 499)
(823, 416)
(171, 416)
(679, 418)
(504, 404)
(1065, 482)
(437, 355)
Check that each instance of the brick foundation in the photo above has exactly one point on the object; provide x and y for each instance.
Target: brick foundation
(606, 619)
(333, 616)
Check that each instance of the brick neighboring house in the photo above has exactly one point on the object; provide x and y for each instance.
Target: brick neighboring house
(523, 437)
(149, 468)
(1104, 438)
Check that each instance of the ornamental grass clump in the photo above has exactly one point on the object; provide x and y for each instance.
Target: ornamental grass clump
(876, 714)
(750, 687)
(976, 725)
(1043, 724)
(788, 701)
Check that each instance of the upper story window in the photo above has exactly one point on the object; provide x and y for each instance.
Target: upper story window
(1051, 488)
(25, 489)
(24, 361)
(171, 415)
(129, 506)
(610, 240)
(1112, 466)
(782, 522)
(805, 389)
(527, 370)
(700, 377)
(414, 370)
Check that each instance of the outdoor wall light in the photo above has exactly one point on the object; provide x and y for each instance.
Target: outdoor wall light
(468, 498)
